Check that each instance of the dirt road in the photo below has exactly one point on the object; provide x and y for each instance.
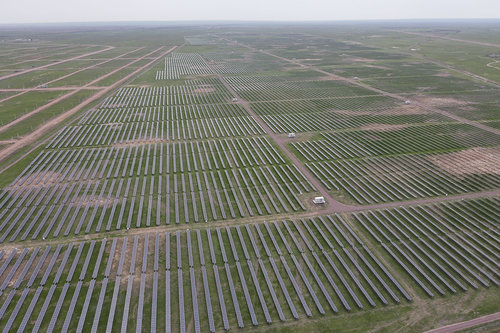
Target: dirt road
(467, 324)
(55, 63)
(379, 91)
(448, 38)
(74, 90)
(332, 204)
(40, 131)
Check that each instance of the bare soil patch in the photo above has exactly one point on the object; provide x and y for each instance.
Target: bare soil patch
(383, 127)
(439, 101)
(470, 162)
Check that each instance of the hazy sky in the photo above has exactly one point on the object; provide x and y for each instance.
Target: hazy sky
(28, 11)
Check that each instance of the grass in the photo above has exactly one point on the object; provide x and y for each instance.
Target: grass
(289, 98)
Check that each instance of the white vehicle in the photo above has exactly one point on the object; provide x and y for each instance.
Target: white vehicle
(319, 200)
(292, 135)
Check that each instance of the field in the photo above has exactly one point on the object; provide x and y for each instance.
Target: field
(150, 181)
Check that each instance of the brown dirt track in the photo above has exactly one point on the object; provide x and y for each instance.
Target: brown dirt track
(46, 127)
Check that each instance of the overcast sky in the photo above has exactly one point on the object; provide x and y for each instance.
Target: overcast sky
(32, 11)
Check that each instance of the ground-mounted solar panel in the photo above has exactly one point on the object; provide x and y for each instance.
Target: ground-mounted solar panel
(233, 296)
(140, 306)
(75, 262)
(71, 307)
(190, 250)
(179, 249)
(308, 284)
(220, 294)
(157, 252)
(294, 239)
(6, 303)
(87, 260)
(112, 308)
(211, 247)
(231, 242)
(110, 260)
(58, 307)
(29, 311)
(200, 247)
(252, 240)
(26, 267)
(63, 263)
(259, 292)
(263, 241)
(379, 278)
(7, 261)
(167, 250)
(208, 301)
(145, 254)
(85, 307)
(273, 239)
(182, 316)
(15, 311)
(134, 255)
(126, 306)
(247, 294)
(194, 296)
(274, 297)
(168, 312)
(154, 302)
(295, 285)
(38, 267)
(330, 279)
(43, 309)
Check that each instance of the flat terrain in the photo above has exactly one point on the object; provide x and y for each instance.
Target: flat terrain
(150, 181)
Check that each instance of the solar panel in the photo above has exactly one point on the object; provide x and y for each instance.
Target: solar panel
(85, 307)
(45, 305)
(233, 296)
(154, 301)
(110, 260)
(259, 292)
(122, 256)
(7, 261)
(145, 254)
(208, 301)
(134, 255)
(262, 240)
(295, 285)
(30, 309)
(59, 304)
(221, 298)
(269, 284)
(179, 253)
(63, 263)
(194, 297)
(167, 250)
(231, 241)
(157, 252)
(87, 260)
(200, 247)
(182, 319)
(126, 307)
(308, 285)
(26, 267)
(140, 308)
(211, 247)
(38, 267)
(71, 308)
(168, 321)
(190, 250)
